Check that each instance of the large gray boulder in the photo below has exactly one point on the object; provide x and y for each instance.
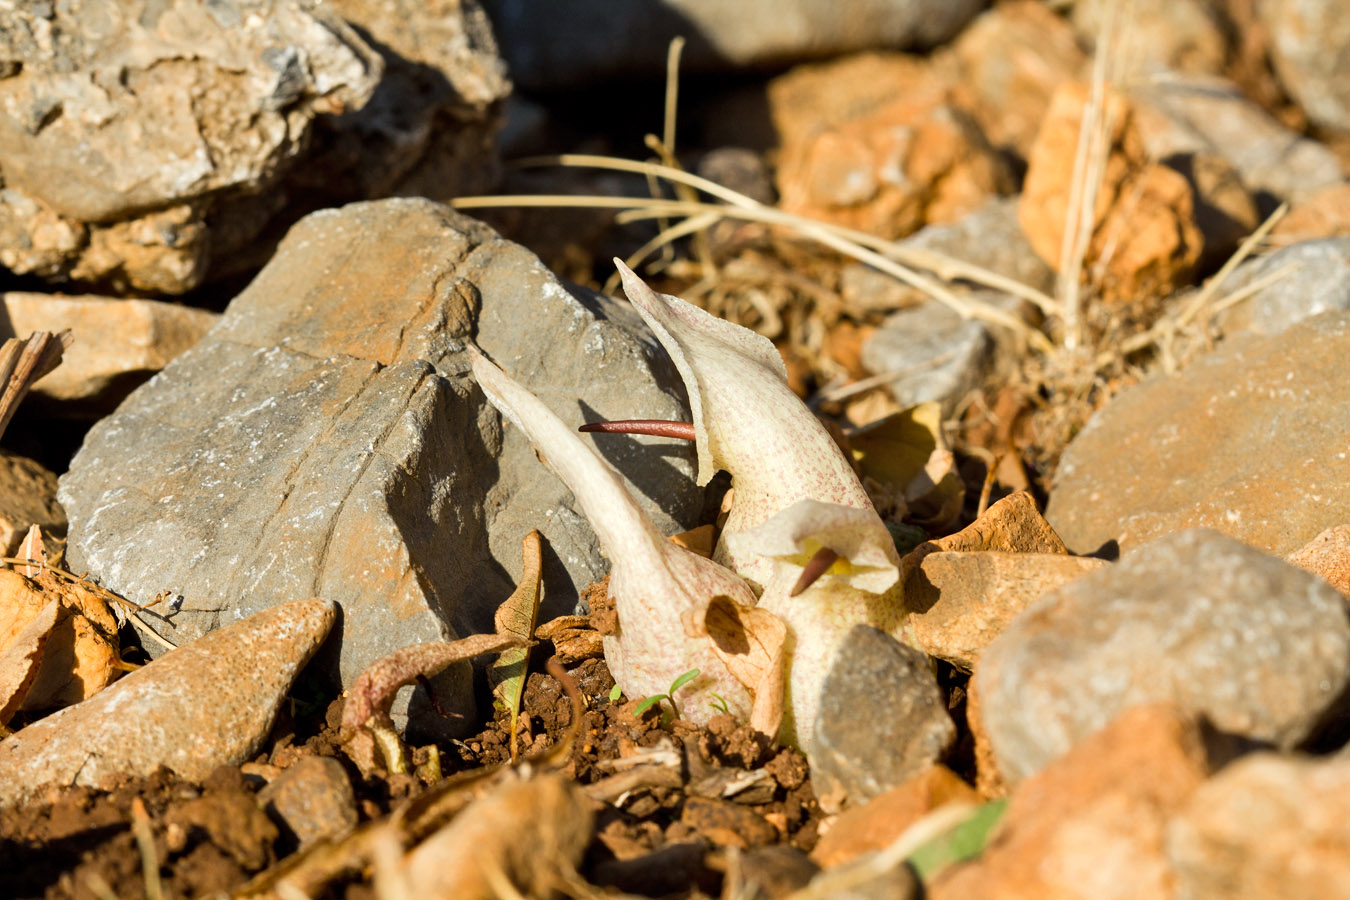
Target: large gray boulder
(563, 44)
(143, 144)
(325, 438)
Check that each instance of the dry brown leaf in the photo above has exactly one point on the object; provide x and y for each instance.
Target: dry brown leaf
(365, 718)
(31, 548)
(906, 451)
(698, 540)
(750, 643)
(529, 831)
(82, 655)
(21, 660)
(574, 638)
(515, 618)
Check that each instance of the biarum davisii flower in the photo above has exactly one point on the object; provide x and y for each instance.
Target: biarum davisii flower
(677, 611)
(794, 495)
(748, 422)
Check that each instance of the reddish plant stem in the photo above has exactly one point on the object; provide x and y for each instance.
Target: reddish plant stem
(657, 427)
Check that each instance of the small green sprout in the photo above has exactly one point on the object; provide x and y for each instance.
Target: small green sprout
(719, 703)
(669, 696)
(615, 693)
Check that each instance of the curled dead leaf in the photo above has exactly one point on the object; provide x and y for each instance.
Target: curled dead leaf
(529, 832)
(81, 655)
(365, 718)
(750, 642)
(20, 661)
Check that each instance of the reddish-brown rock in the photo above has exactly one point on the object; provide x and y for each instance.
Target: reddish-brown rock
(873, 142)
(1266, 826)
(961, 601)
(1144, 241)
(1093, 825)
(204, 705)
(875, 824)
(1328, 557)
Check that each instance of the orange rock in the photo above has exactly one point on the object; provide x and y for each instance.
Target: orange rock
(988, 780)
(961, 601)
(873, 142)
(1145, 242)
(1326, 213)
(1012, 58)
(1010, 525)
(1328, 557)
(881, 820)
(1093, 824)
(1269, 825)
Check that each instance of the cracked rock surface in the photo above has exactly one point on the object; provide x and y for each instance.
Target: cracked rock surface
(325, 439)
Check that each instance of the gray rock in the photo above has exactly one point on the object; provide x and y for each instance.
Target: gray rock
(148, 145)
(325, 438)
(882, 720)
(990, 238)
(930, 353)
(428, 129)
(313, 799)
(1249, 441)
(1310, 48)
(1197, 620)
(1184, 115)
(204, 705)
(566, 44)
(1320, 282)
(117, 109)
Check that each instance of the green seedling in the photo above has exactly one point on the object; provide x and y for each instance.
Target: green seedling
(965, 841)
(669, 696)
(615, 693)
(719, 703)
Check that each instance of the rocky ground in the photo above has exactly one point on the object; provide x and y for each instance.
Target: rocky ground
(1057, 294)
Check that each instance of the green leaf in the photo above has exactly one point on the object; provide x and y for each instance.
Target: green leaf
(615, 693)
(963, 842)
(681, 681)
(648, 703)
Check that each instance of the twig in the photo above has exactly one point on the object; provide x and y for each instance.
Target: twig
(145, 842)
(1244, 250)
(23, 362)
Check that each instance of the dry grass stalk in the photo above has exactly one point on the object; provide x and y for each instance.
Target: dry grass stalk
(738, 206)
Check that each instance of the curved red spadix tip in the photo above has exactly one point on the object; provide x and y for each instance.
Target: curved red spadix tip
(815, 567)
(657, 427)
